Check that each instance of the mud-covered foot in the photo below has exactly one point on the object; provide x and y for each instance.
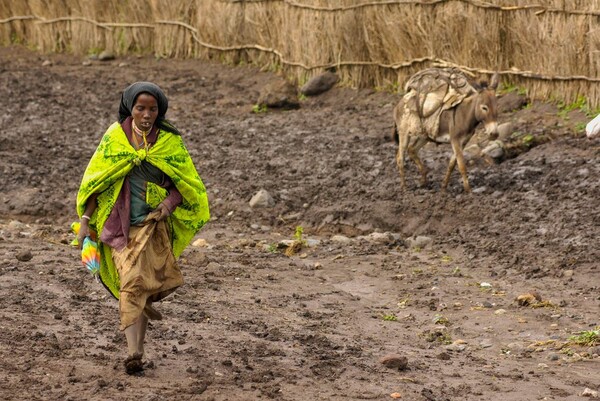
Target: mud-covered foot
(133, 364)
(152, 313)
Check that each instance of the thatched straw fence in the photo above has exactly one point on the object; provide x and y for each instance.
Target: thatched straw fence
(549, 47)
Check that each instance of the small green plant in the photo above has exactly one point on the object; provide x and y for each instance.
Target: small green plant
(389, 317)
(509, 88)
(123, 43)
(391, 87)
(586, 338)
(94, 51)
(403, 303)
(272, 248)
(439, 319)
(298, 242)
(591, 112)
(527, 140)
(15, 39)
(580, 127)
(298, 234)
(580, 103)
(437, 336)
(274, 67)
(567, 351)
(259, 108)
(302, 97)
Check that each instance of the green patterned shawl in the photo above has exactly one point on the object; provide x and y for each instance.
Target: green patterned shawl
(105, 174)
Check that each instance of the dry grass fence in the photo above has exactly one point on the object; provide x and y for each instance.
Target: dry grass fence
(551, 48)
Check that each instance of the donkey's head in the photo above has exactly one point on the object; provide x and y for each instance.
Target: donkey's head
(486, 109)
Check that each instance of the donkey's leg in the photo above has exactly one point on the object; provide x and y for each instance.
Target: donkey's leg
(450, 120)
(413, 152)
(458, 153)
(451, 166)
(403, 137)
(452, 163)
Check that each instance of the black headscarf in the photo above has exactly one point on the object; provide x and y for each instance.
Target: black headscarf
(130, 95)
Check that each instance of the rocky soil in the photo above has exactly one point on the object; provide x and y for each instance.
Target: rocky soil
(416, 295)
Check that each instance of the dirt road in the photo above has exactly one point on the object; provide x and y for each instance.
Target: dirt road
(428, 276)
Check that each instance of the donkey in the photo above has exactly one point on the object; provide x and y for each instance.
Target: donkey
(456, 126)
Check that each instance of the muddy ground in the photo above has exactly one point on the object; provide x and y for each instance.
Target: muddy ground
(424, 275)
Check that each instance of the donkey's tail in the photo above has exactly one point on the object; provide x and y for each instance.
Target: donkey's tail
(395, 134)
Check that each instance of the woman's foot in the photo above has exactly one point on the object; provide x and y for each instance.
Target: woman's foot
(133, 364)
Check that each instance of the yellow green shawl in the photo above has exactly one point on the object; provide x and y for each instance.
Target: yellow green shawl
(106, 172)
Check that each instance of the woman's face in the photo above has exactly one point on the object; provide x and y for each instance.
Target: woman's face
(145, 111)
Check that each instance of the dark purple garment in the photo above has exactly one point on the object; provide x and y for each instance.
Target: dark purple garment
(116, 228)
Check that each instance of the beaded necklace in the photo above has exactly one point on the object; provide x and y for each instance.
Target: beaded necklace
(141, 134)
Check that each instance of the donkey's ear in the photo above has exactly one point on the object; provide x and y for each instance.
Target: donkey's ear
(495, 81)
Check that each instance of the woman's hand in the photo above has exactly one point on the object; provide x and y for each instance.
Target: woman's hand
(84, 228)
(84, 231)
(164, 212)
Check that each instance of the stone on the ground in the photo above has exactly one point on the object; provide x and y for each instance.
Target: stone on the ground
(200, 243)
(24, 256)
(106, 56)
(588, 392)
(529, 299)
(319, 84)
(495, 150)
(279, 95)
(16, 225)
(505, 130)
(394, 361)
(342, 239)
(472, 151)
(262, 199)
(511, 101)
(420, 241)
(313, 242)
(379, 238)
(455, 347)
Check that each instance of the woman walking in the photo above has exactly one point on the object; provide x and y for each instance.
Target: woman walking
(143, 196)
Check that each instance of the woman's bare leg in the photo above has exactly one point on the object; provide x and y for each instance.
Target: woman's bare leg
(132, 335)
(142, 324)
(133, 362)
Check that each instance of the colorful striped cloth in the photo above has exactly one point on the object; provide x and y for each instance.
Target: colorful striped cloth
(90, 256)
